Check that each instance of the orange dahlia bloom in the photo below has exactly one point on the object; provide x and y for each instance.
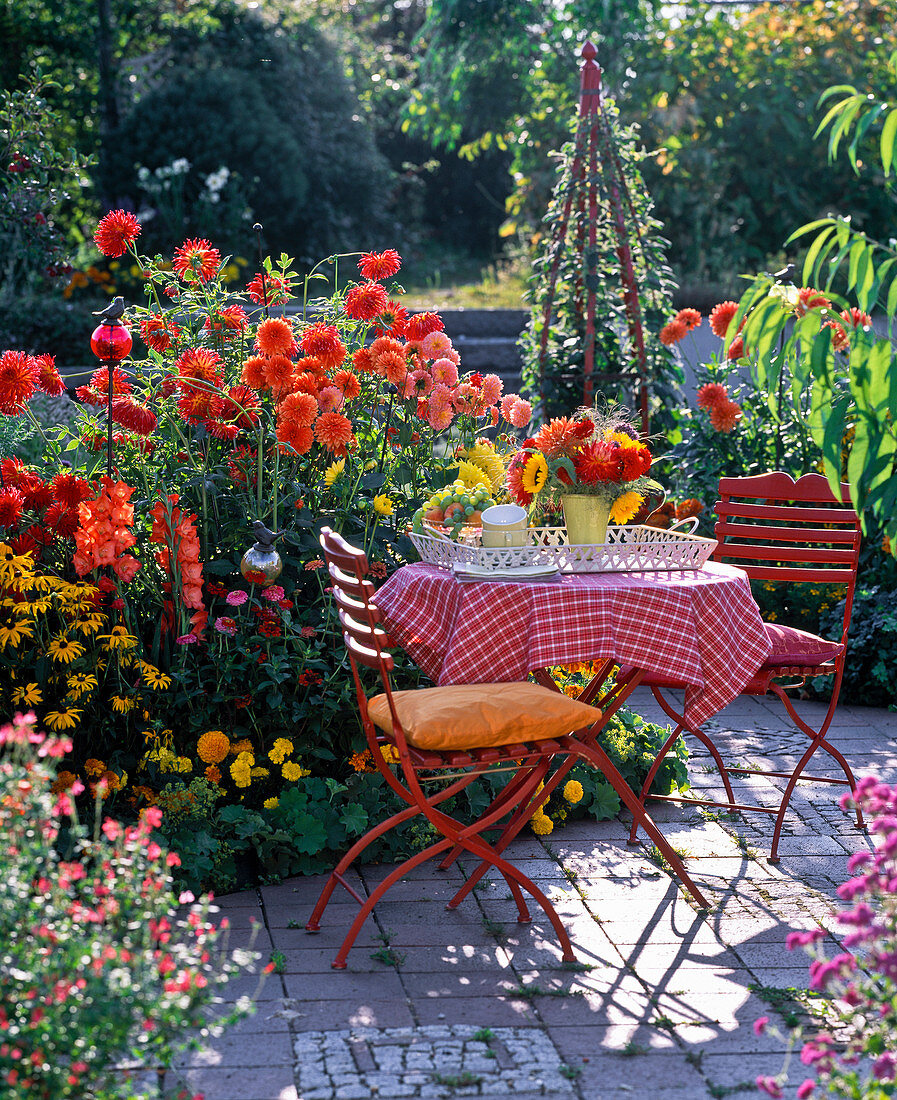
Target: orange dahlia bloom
(561, 435)
(691, 318)
(672, 332)
(724, 416)
(365, 302)
(49, 380)
(227, 321)
(348, 383)
(277, 369)
(253, 373)
(710, 394)
(808, 298)
(115, 231)
(275, 337)
(304, 382)
(19, 375)
(323, 342)
(599, 461)
(334, 431)
(394, 368)
(688, 508)
(158, 332)
(392, 320)
(200, 364)
(294, 437)
(720, 317)
(133, 416)
(196, 261)
(298, 408)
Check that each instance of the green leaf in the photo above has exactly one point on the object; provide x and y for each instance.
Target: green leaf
(814, 250)
(605, 802)
(354, 818)
(887, 141)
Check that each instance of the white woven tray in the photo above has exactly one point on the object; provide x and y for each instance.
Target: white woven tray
(627, 549)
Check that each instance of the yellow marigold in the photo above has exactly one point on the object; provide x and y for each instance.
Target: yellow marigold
(271, 803)
(383, 506)
(213, 746)
(183, 764)
(573, 791)
(260, 773)
(93, 767)
(625, 506)
(213, 773)
(241, 771)
(390, 754)
(280, 750)
(541, 824)
(291, 771)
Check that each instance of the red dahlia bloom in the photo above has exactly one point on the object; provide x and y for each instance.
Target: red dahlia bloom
(159, 332)
(324, 343)
(227, 321)
(12, 470)
(710, 394)
(69, 490)
(245, 408)
(720, 316)
(133, 416)
(277, 290)
(392, 320)
(50, 380)
(38, 493)
(420, 325)
(61, 520)
(99, 382)
(195, 406)
(691, 318)
(12, 500)
(116, 231)
(600, 460)
(724, 416)
(379, 265)
(736, 349)
(196, 261)
(365, 302)
(19, 376)
(200, 364)
(840, 339)
(219, 430)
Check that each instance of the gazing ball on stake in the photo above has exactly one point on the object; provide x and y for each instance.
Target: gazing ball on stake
(261, 557)
(110, 340)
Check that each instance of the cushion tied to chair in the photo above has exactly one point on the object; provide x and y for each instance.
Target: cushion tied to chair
(468, 716)
(798, 647)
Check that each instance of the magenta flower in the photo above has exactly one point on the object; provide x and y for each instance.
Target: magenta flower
(273, 593)
(237, 598)
(186, 639)
(770, 1086)
(226, 625)
(760, 1024)
(806, 1089)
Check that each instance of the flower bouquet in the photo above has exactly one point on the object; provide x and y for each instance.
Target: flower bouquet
(594, 463)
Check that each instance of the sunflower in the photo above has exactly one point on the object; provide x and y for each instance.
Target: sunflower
(473, 475)
(333, 472)
(12, 635)
(626, 506)
(535, 474)
(64, 650)
(65, 719)
(27, 696)
(118, 638)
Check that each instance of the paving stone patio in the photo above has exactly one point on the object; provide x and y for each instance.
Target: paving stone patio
(469, 1003)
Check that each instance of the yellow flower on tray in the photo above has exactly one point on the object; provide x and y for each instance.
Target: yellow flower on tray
(626, 506)
(383, 506)
(64, 650)
(535, 474)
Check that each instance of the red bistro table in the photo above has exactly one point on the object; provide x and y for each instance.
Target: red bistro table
(701, 627)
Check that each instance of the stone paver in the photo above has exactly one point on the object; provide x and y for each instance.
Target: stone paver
(471, 1003)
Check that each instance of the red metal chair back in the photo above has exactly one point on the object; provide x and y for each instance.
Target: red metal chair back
(778, 529)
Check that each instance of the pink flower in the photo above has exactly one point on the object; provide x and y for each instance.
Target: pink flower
(308, 632)
(492, 387)
(440, 416)
(760, 1024)
(273, 593)
(331, 399)
(237, 598)
(506, 402)
(435, 345)
(521, 413)
(224, 624)
(186, 639)
(769, 1085)
(806, 1089)
(444, 371)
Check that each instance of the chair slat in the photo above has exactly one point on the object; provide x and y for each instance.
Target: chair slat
(792, 513)
(784, 573)
(839, 536)
(821, 555)
(781, 486)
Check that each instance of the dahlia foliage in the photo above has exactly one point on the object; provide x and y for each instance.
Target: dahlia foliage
(125, 618)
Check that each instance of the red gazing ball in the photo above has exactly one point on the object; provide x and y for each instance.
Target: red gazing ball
(110, 342)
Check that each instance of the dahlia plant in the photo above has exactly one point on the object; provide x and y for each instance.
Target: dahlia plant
(855, 1053)
(126, 619)
(99, 966)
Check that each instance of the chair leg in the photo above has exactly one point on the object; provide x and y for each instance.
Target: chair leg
(594, 753)
(649, 778)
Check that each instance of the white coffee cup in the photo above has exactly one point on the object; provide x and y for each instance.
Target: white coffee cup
(504, 525)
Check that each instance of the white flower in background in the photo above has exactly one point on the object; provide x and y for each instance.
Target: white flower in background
(180, 167)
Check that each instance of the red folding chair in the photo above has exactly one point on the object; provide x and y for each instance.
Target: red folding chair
(463, 730)
(776, 529)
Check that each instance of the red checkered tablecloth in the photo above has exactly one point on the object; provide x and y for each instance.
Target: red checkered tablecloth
(701, 627)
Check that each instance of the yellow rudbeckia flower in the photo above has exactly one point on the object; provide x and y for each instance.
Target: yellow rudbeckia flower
(65, 719)
(27, 696)
(13, 635)
(63, 650)
(333, 472)
(117, 638)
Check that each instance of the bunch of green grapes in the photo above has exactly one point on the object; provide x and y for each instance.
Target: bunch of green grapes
(456, 506)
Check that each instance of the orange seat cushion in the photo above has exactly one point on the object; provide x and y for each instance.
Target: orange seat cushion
(474, 716)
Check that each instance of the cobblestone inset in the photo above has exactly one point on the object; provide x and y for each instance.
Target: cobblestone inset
(443, 1060)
